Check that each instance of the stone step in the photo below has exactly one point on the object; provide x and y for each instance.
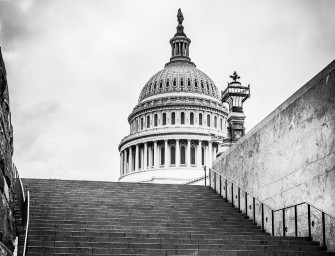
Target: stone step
(104, 218)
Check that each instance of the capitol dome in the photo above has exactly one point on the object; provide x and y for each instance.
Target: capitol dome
(178, 124)
(176, 77)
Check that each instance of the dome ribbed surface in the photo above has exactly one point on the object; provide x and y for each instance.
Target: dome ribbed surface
(180, 76)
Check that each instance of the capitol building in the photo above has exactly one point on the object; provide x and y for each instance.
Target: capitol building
(179, 123)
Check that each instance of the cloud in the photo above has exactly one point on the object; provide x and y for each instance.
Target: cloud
(14, 24)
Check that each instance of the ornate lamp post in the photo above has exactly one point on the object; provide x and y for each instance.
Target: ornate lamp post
(235, 94)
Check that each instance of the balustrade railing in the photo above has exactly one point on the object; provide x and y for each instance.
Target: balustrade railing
(220, 184)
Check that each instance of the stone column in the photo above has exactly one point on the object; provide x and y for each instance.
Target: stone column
(136, 158)
(188, 155)
(145, 156)
(130, 169)
(210, 157)
(121, 163)
(155, 155)
(177, 153)
(150, 157)
(166, 163)
(199, 154)
(125, 169)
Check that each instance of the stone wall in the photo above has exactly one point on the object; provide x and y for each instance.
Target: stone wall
(7, 223)
(289, 157)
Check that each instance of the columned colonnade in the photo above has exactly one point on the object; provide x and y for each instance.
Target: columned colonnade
(165, 153)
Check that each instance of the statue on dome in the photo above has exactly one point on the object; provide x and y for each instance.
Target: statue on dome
(180, 17)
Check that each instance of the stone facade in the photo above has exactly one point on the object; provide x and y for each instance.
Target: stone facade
(7, 222)
(289, 157)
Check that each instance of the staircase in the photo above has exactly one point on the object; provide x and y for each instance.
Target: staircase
(105, 218)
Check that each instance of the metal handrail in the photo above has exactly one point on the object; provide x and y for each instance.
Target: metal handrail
(27, 203)
(323, 213)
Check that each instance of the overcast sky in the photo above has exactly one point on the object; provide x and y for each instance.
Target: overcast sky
(76, 67)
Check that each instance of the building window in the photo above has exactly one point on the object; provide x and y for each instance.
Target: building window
(200, 119)
(215, 122)
(189, 82)
(173, 154)
(221, 124)
(208, 120)
(142, 123)
(174, 82)
(182, 118)
(202, 155)
(181, 82)
(182, 154)
(173, 118)
(162, 155)
(191, 118)
(161, 85)
(148, 121)
(164, 118)
(192, 155)
(195, 84)
(167, 83)
(156, 120)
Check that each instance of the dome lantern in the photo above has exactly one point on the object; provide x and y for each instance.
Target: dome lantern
(180, 42)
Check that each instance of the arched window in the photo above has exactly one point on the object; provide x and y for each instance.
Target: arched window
(155, 85)
(173, 154)
(162, 155)
(221, 128)
(189, 82)
(182, 154)
(148, 121)
(192, 155)
(173, 118)
(202, 155)
(161, 85)
(164, 118)
(156, 120)
(208, 120)
(207, 87)
(174, 82)
(215, 122)
(200, 119)
(191, 118)
(202, 85)
(195, 84)
(181, 82)
(182, 118)
(167, 83)
(142, 123)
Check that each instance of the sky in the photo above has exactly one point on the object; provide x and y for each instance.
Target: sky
(75, 68)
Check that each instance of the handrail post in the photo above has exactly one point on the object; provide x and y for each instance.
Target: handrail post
(284, 222)
(324, 230)
(296, 220)
(215, 181)
(273, 223)
(232, 194)
(220, 185)
(246, 204)
(263, 217)
(205, 175)
(253, 209)
(226, 185)
(309, 220)
(210, 177)
(238, 199)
